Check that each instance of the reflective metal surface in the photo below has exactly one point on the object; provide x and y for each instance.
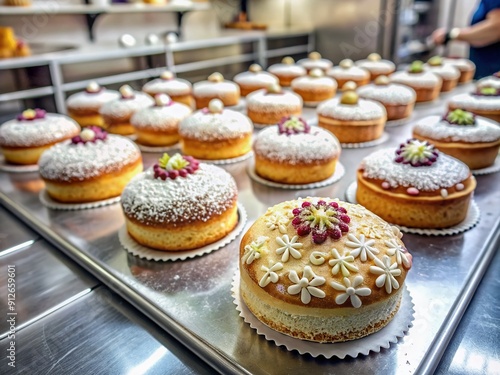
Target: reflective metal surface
(192, 301)
(13, 234)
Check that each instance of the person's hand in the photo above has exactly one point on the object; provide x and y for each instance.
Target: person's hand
(438, 36)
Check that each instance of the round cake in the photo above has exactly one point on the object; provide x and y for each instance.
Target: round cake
(117, 113)
(466, 67)
(347, 71)
(294, 153)
(83, 107)
(427, 85)
(376, 65)
(490, 81)
(216, 133)
(323, 270)
(177, 88)
(315, 61)
(314, 87)
(24, 139)
(269, 106)
(255, 79)
(92, 166)
(287, 71)
(415, 186)
(180, 204)
(398, 100)
(216, 87)
(473, 140)
(485, 101)
(351, 119)
(448, 73)
(159, 125)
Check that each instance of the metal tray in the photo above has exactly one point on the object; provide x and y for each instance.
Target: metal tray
(192, 301)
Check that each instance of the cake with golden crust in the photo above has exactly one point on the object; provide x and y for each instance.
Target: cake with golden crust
(117, 113)
(24, 139)
(315, 61)
(473, 140)
(295, 153)
(323, 270)
(448, 72)
(415, 185)
(485, 101)
(180, 90)
(347, 71)
(254, 79)
(351, 119)
(314, 87)
(216, 87)
(83, 107)
(287, 71)
(427, 85)
(92, 166)
(490, 81)
(180, 204)
(466, 67)
(376, 66)
(216, 133)
(398, 100)
(269, 106)
(158, 125)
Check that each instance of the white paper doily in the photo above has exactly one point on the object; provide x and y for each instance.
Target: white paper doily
(470, 221)
(143, 148)
(384, 137)
(144, 252)
(396, 329)
(495, 167)
(6, 167)
(227, 161)
(47, 201)
(337, 175)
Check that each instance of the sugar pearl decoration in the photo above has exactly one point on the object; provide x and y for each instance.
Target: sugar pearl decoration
(412, 191)
(93, 87)
(459, 187)
(316, 73)
(255, 68)
(162, 100)
(385, 185)
(288, 60)
(126, 91)
(167, 75)
(274, 88)
(315, 55)
(349, 86)
(87, 135)
(374, 57)
(382, 80)
(444, 193)
(216, 77)
(215, 106)
(346, 63)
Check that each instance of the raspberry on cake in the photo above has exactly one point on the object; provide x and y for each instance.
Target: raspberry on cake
(180, 204)
(323, 270)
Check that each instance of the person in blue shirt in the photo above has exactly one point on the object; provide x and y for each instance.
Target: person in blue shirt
(483, 37)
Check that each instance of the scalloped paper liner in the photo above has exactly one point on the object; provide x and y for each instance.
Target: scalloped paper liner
(383, 138)
(134, 248)
(143, 148)
(391, 333)
(495, 167)
(337, 175)
(47, 201)
(5, 167)
(227, 161)
(470, 221)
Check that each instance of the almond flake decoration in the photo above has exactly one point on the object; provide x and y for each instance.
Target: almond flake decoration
(306, 285)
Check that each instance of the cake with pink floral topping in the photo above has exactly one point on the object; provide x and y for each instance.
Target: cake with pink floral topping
(315, 87)
(485, 101)
(25, 138)
(178, 89)
(216, 87)
(415, 185)
(287, 71)
(180, 204)
(347, 71)
(315, 61)
(254, 79)
(376, 66)
(92, 166)
(323, 270)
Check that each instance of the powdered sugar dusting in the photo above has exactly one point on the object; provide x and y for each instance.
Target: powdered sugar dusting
(353, 72)
(377, 67)
(390, 94)
(215, 126)
(39, 132)
(79, 162)
(261, 100)
(209, 192)
(435, 128)
(308, 82)
(126, 107)
(311, 64)
(490, 81)
(287, 70)
(176, 86)
(444, 173)
(260, 79)
(364, 110)
(472, 102)
(82, 100)
(160, 118)
(424, 79)
(461, 64)
(208, 88)
(317, 145)
(446, 71)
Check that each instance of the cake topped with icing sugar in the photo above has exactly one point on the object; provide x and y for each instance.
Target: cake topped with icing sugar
(93, 97)
(446, 71)
(164, 115)
(472, 101)
(274, 98)
(390, 93)
(349, 107)
(35, 128)
(314, 60)
(461, 63)
(255, 76)
(73, 162)
(347, 70)
(306, 145)
(215, 84)
(287, 67)
(315, 79)
(490, 81)
(374, 63)
(215, 123)
(422, 79)
(207, 192)
(168, 84)
(129, 102)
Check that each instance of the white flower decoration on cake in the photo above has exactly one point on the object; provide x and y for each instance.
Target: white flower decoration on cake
(277, 221)
(370, 230)
(392, 230)
(399, 251)
(306, 286)
(270, 275)
(317, 258)
(288, 247)
(351, 290)
(387, 272)
(342, 263)
(357, 210)
(361, 247)
(253, 250)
